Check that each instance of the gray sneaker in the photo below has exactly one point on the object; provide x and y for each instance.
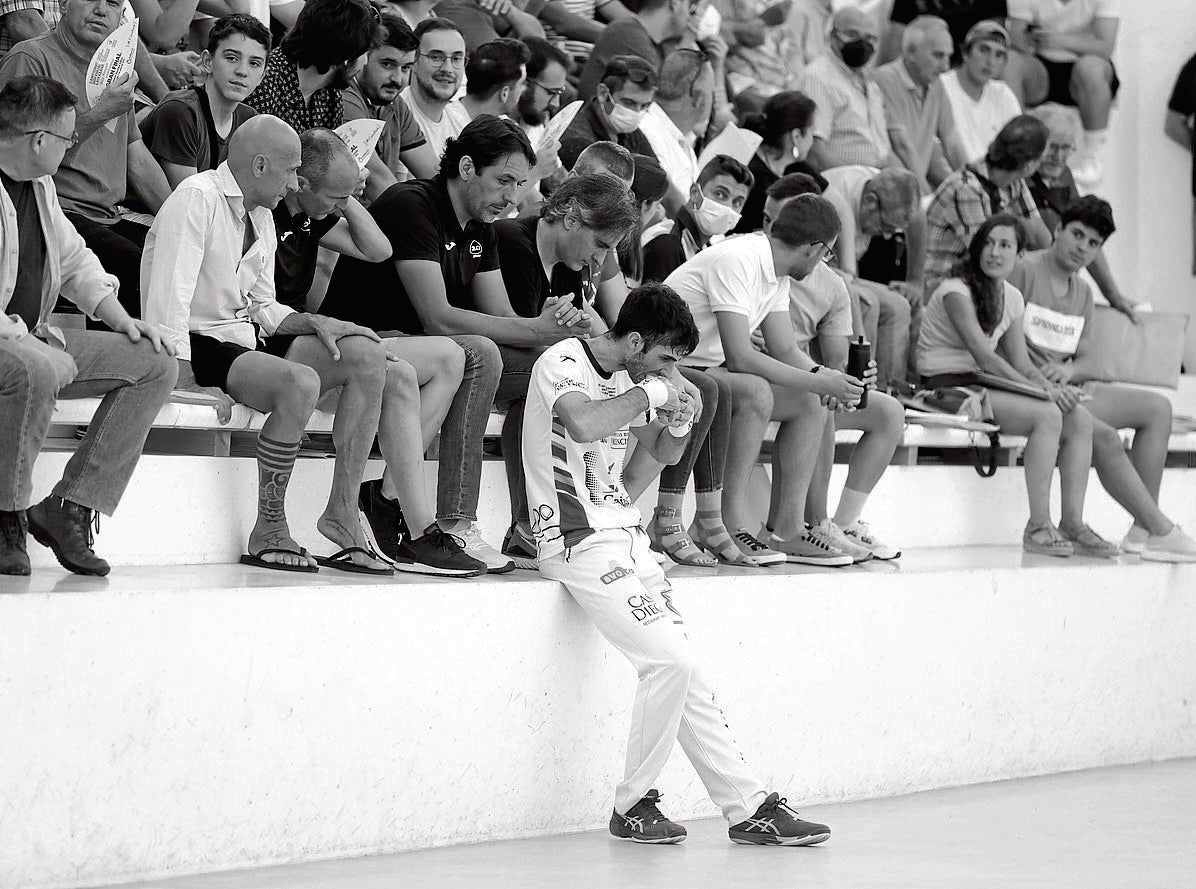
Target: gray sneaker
(810, 550)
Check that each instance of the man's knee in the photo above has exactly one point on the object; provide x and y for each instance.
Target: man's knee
(481, 353)
(1157, 409)
(885, 412)
(752, 395)
(296, 386)
(1105, 438)
(402, 382)
(1090, 73)
(447, 361)
(30, 376)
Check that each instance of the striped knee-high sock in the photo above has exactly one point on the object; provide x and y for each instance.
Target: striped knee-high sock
(275, 460)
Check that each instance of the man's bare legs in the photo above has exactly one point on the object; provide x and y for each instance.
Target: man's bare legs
(360, 375)
(794, 457)
(1132, 479)
(751, 406)
(287, 391)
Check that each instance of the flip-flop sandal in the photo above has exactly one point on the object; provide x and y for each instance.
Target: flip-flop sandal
(256, 560)
(342, 561)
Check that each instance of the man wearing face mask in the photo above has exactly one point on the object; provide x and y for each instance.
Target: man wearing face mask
(614, 114)
(849, 123)
(680, 114)
(712, 210)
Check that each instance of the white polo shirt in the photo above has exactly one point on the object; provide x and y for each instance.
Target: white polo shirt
(978, 122)
(736, 275)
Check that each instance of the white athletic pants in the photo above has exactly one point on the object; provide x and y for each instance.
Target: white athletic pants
(614, 577)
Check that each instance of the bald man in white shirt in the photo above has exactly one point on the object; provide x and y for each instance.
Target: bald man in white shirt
(208, 279)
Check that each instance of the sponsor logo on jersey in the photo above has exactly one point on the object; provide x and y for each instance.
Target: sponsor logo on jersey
(644, 609)
(617, 572)
(475, 249)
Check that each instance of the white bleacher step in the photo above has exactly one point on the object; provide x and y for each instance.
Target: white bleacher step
(177, 720)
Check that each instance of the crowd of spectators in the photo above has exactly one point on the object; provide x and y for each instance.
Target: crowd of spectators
(914, 184)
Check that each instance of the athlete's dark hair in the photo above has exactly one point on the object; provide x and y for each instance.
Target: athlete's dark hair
(487, 140)
(398, 33)
(725, 165)
(1092, 212)
(238, 23)
(988, 296)
(30, 101)
(328, 33)
(782, 114)
(542, 54)
(494, 65)
(659, 315)
(793, 184)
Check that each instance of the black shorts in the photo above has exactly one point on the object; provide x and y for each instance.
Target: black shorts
(1059, 81)
(212, 358)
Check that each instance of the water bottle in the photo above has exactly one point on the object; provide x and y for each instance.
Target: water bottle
(859, 354)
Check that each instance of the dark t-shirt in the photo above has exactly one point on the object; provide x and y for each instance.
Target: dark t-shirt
(960, 15)
(26, 300)
(177, 131)
(1052, 200)
(1183, 101)
(751, 218)
(523, 273)
(418, 219)
(298, 251)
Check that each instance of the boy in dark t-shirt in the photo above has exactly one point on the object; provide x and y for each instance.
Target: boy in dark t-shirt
(188, 131)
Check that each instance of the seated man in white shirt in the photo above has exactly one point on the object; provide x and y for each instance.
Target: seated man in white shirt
(820, 308)
(680, 114)
(1059, 309)
(981, 103)
(208, 281)
(734, 288)
(435, 80)
(882, 250)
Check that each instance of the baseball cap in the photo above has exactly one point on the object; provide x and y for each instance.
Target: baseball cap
(987, 30)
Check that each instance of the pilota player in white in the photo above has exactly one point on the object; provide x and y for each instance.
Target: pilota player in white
(584, 396)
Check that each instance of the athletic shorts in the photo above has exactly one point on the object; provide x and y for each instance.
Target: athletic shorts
(211, 358)
(1059, 81)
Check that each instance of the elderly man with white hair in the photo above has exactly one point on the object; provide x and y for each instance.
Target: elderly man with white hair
(916, 110)
(1054, 190)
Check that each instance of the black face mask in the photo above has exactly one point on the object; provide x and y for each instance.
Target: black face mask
(856, 53)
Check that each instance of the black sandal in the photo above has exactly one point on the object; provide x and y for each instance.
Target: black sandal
(341, 561)
(256, 560)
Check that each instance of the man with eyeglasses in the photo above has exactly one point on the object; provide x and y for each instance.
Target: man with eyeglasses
(849, 123)
(882, 254)
(319, 57)
(132, 369)
(614, 114)
(547, 77)
(374, 94)
(110, 160)
(439, 66)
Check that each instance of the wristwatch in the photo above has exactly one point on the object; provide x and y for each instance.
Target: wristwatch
(815, 368)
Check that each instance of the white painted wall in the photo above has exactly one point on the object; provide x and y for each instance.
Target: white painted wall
(1147, 176)
(188, 720)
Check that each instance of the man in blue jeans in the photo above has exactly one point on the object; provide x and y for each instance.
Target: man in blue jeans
(131, 368)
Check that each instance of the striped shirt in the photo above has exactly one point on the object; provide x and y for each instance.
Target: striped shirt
(850, 117)
(50, 10)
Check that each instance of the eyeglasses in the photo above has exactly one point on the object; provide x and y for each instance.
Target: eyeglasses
(828, 255)
(632, 68)
(72, 140)
(437, 59)
(554, 92)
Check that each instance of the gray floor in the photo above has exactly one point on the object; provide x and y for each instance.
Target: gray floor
(1122, 828)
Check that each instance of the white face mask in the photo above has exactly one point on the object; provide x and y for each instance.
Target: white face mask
(624, 120)
(714, 218)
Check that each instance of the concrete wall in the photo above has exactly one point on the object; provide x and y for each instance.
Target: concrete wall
(187, 720)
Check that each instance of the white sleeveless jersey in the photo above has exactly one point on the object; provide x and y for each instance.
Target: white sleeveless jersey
(573, 488)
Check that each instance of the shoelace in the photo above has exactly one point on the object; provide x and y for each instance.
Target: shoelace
(782, 805)
(862, 532)
(816, 537)
(442, 539)
(650, 808)
(749, 541)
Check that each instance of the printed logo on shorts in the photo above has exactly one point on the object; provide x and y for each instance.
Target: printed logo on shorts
(475, 248)
(644, 609)
(617, 572)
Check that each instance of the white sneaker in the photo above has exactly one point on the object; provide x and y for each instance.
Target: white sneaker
(1174, 546)
(833, 534)
(808, 549)
(477, 547)
(860, 532)
(1135, 540)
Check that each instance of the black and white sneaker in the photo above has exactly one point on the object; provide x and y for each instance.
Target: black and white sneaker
(520, 549)
(437, 552)
(382, 520)
(644, 823)
(775, 824)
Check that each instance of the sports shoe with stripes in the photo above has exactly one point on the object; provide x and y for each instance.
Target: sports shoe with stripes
(775, 824)
(644, 823)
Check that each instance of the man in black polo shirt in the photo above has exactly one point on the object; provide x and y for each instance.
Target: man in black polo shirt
(444, 279)
(422, 375)
(624, 95)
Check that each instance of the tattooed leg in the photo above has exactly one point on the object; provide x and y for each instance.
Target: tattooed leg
(275, 462)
